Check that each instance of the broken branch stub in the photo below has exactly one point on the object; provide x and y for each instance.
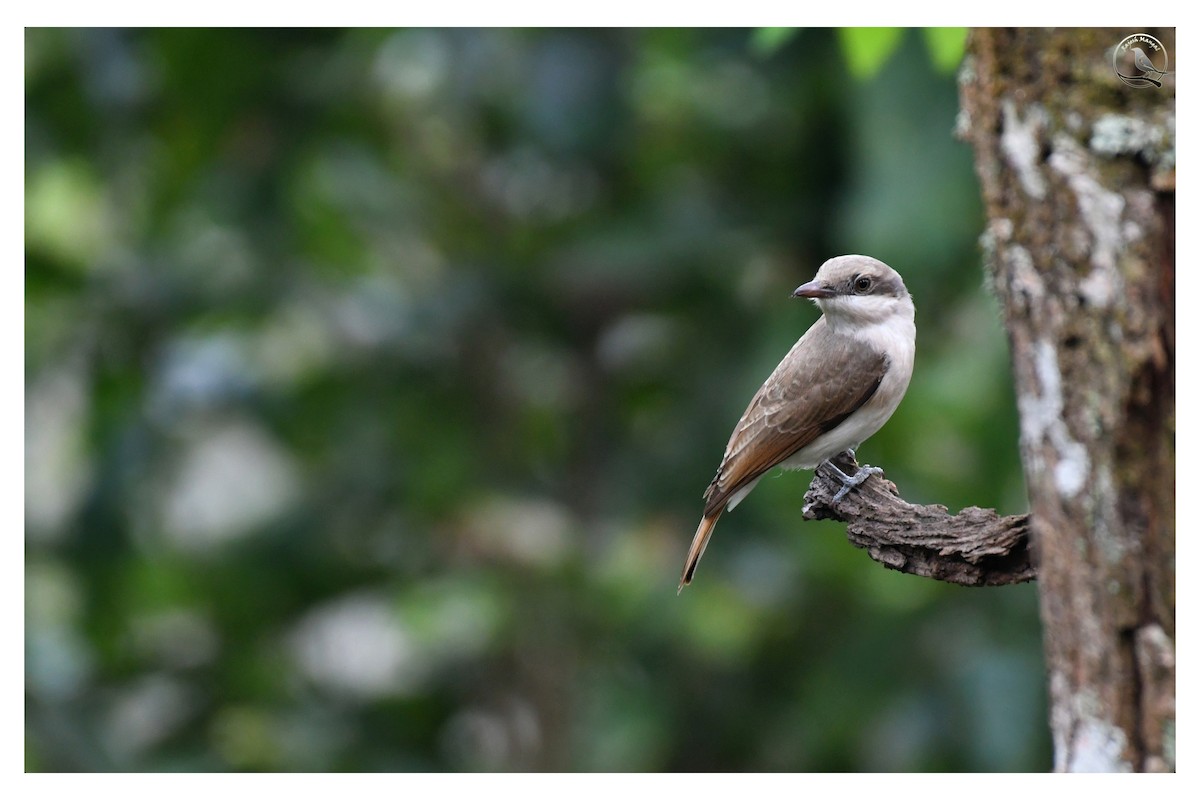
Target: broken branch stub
(975, 547)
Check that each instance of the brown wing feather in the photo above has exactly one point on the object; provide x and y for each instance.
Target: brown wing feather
(809, 393)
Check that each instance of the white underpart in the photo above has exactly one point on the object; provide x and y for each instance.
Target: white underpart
(883, 324)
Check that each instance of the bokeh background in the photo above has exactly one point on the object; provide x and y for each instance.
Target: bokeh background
(373, 377)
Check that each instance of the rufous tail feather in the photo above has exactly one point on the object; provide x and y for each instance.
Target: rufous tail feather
(699, 542)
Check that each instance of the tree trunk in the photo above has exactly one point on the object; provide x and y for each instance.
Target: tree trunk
(1078, 177)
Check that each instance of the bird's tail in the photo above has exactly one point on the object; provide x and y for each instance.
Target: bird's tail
(699, 542)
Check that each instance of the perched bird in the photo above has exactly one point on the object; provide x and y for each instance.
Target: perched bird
(1143, 62)
(836, 387)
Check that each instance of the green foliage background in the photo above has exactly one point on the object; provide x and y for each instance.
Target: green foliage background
(373, 378)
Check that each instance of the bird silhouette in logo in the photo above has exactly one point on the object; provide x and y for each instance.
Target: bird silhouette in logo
(1149, 71)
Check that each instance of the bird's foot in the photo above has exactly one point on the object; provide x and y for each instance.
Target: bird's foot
(851, 481)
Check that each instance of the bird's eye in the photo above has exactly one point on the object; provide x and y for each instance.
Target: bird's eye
(862, 284)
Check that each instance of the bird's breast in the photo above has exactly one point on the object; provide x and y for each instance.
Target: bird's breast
(897, 340)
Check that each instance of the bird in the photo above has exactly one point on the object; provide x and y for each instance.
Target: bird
(838, 385)
(1143, 62)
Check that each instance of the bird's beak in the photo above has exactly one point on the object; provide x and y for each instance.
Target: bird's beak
(812, 289)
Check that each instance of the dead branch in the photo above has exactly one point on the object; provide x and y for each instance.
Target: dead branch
(975, 547)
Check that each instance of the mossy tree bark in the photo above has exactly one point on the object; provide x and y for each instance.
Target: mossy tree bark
(1078, 179)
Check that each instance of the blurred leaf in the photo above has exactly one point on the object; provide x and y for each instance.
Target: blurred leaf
(866, 50)
(65, 213)
(765, 41)
(946, 47)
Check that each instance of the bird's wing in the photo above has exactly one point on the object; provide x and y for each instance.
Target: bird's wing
(823, 380)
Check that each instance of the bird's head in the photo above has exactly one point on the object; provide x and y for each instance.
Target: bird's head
(858, 290)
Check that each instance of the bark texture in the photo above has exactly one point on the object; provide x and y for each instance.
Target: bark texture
(975, 547)
(1078, 176)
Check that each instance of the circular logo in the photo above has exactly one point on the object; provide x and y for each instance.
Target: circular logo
(1140, 61)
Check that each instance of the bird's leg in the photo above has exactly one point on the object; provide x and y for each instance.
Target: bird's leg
(851, 481)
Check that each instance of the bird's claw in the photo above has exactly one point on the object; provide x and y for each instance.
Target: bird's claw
(851, 481)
